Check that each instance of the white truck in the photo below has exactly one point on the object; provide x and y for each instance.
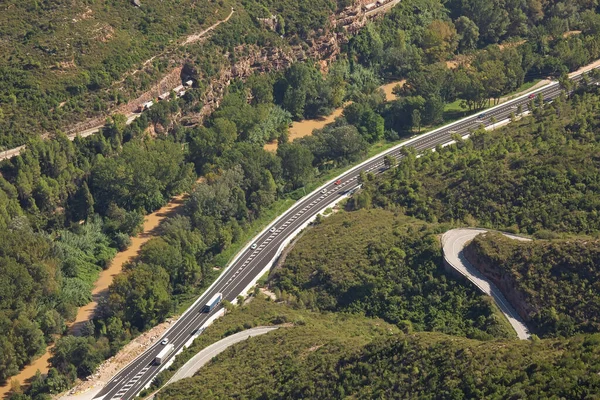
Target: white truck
(212, 303)
(164, 353)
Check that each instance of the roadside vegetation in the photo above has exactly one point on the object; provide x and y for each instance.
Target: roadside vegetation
(379, 264)
(351, 260)
(536, 175)
(77, 203)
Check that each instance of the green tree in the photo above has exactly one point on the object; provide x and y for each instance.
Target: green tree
(297, 162)
(468, 34)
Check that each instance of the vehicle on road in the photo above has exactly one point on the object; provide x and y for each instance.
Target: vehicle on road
(164, 341)
(532, 96)
(164, 353)
(212, 303)
(254, 246)
(482, 115)
(338, 181)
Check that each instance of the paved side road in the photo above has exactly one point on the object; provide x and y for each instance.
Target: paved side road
(204, 356)
(453, 244)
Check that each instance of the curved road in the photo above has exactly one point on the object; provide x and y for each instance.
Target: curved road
(208, 353)
(453, 244)
(250, 263)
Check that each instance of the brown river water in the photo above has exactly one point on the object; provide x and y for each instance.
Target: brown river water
(306, 127)
(85, 313)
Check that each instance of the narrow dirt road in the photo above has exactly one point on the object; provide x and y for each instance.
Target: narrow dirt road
(200, 35)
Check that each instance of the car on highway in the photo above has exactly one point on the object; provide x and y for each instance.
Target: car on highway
(254, 246)
(532, 96)
(482, 115)
(338, 181)
(272, 230)
(164, 341)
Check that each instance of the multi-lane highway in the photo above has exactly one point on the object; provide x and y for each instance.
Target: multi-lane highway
(249, 264)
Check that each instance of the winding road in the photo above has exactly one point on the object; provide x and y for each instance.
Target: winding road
(251, 263)
(453, 244)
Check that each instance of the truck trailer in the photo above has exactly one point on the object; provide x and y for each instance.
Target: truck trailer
(212, 303)
(164, 353)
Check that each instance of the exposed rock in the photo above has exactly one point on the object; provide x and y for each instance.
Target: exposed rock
(504, 281)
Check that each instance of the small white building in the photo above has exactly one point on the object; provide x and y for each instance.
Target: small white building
(189, 83)
(163, 96)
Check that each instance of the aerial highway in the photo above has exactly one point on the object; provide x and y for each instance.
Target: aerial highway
(250, 263)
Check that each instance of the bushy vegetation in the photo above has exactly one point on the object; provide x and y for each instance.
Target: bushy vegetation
(337, 356)
(59, 59)
(556, 279)
(537, 174)
(42, 284)
(76, 202)
(378, 264)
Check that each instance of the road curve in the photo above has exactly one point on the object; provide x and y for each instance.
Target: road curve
(205, 355)
(250, 263)
(453, 244)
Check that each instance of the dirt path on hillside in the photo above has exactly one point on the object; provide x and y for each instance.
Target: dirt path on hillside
(85, 313)
(198, 36)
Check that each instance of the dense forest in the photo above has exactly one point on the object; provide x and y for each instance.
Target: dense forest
(557, 280)
(336, 356)
(78, 202)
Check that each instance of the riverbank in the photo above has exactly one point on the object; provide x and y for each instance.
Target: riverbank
(306, 127)
(149, 230)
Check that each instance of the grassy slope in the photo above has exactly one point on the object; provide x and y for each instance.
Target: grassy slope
(307, 329)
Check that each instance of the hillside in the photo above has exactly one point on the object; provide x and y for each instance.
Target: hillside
(321, 357)
(59, 59)
(66, 61)
(67, 206)
(537, 175)
(557, 280)
(380, 264)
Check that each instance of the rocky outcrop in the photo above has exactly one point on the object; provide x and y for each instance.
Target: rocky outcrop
(324, 46)
(503, 280)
